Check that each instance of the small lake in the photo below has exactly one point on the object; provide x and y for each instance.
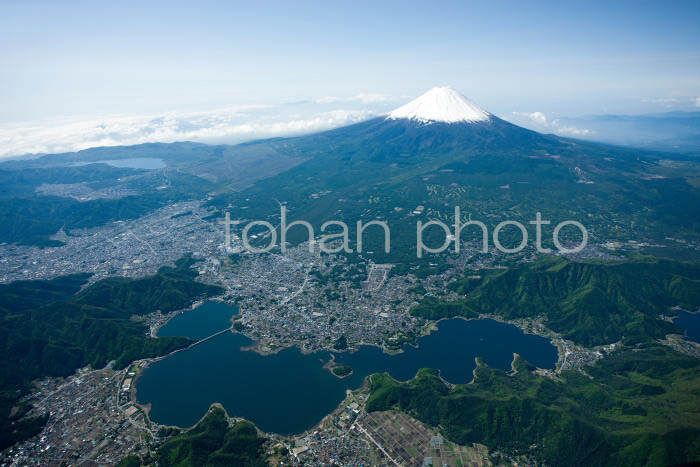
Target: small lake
(205, 320)
(452, 350)
(290, 392)
(691, 323)
(148, 163)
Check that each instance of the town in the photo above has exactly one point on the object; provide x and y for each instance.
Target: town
(303, 297)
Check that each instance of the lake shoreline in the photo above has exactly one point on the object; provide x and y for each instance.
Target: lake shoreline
(203, 373)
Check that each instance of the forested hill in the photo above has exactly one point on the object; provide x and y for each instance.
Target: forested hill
(46, 329)
(212, 442)
(639, 407)
(589, 303)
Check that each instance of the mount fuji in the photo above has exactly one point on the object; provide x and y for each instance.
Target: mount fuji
(437, 151)
(441, 120)
(442, 150)
(442, 104)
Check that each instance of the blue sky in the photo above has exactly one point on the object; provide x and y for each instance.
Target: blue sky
(76, 61)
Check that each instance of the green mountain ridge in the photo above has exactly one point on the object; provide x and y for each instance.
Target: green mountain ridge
(49, 328)
(588, 303)
(639, 409)
(213, 443)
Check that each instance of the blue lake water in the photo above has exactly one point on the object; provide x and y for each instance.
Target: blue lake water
(452, 350)
(290, 392)
(205, 320)
(691, 323)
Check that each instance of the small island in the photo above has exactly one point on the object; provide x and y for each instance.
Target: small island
(341, 371)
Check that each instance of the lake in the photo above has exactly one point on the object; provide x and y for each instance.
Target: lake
(691, 323)
(205, 320)
(289, 392)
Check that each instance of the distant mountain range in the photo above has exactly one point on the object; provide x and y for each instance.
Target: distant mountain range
(671, 131)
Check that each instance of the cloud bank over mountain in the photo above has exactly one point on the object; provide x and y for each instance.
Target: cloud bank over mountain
(228, 125)
(236, 124)
(538, 121)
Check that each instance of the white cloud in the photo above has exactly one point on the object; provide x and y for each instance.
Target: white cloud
(677, 103)
(540, 122)
(328, 100)
(229, 125)
(573, 131)
(663, 101)
(537, 117)
(365, 98)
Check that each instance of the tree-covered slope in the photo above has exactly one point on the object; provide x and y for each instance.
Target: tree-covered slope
(384, 169)
(212, 443)
(589, 303)
(641, 408)
(24, 182)
(30, 218)
(170, 289)
(46, 329)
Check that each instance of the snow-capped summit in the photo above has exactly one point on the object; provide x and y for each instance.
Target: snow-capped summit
(442, 104)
